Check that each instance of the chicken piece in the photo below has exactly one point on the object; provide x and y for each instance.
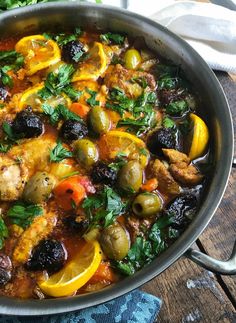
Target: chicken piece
(119, 77)
(175, 156)
(166, 182)
(40, 228)
(34, 154)
(12, 179)
(181, 170)
(188, 175)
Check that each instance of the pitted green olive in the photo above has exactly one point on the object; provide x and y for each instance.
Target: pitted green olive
(115, 241)
(132, 59)
(85, 152)
(99, 120)
(130, 176)
(39, 187)
(146, 205)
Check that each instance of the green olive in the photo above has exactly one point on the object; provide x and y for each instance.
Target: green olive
(115, 241)
(146, 205)
(86, 152)
(130, 176)
(39, 187)
(99, 120)
(132, 59)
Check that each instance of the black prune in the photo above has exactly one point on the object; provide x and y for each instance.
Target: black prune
(47, 255)
(181, 209)
(72, 51)
(103, 174)
(27, 124)
(5, 276)
(168, 138)
(73, 130)
(75, 224)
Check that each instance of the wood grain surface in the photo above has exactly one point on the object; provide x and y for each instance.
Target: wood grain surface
(188, 292)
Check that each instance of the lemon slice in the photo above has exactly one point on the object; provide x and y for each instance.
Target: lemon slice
(31, 98)
(94, 66)
(120, 142)
(200, 137)
(76, 273)
(38, 52)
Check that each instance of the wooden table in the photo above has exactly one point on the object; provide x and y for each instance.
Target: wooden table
(190, 293)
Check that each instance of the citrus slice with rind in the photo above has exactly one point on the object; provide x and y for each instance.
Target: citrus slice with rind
(200, 137)
(92, 67)
(76, 273)
(117, 142)
(32, 98)
(38, 52)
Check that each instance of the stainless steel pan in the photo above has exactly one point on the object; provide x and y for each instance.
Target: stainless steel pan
(60, 16)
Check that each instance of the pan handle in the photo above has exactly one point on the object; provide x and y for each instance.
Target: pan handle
(219, 267)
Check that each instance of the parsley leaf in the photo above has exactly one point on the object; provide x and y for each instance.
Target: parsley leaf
(72, 93)
(55, 82)
(168, 123)
(60, 112)
(3, 232)
(58, 153)
(92, 100)
(23, 214)
(144, 250)
(177, 108)
(9, 60)
(4, 147)
(103, 207)
(111, 38)
(62, 39)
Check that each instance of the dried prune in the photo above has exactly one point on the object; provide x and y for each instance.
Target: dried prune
(168, 138)
(27, 124)
(73, 130)
(76, 224)
(72, 51)
(103, 174)
(48, 255)
(181, 209)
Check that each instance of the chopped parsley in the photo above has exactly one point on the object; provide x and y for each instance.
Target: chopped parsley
(3, 232)
(60, 112)
(23, 214)
(60, 82)
(62, 39)
(111, 38)
(103, 208)
(9, 61)
(58, 153)
(92, 100)
(177, 108)
(144, 250)
(168, 123)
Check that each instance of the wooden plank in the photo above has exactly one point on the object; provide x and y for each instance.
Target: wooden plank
(190, 294)
(219, 237)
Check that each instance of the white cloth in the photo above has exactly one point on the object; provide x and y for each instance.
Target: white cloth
(210, 29)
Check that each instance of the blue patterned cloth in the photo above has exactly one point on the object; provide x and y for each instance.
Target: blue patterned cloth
(135, 307)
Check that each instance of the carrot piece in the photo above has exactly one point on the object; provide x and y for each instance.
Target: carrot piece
(103, 273)
(150, 185)
(69, 193)
(80, 109)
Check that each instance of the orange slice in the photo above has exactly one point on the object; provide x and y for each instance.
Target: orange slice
(38, 52)
(31, 98)
(94, 66)
(200, 137)
(76, 273)
(120, 142)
